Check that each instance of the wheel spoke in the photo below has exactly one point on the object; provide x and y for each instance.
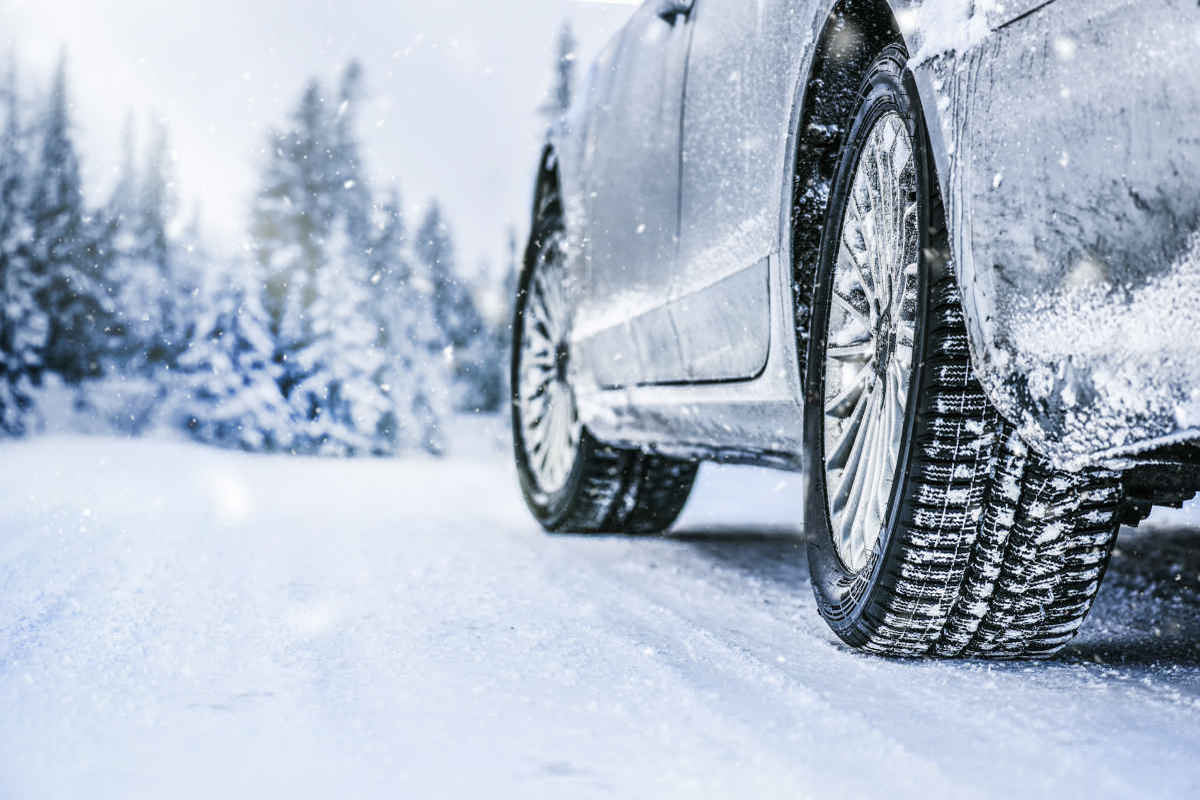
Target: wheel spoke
(540, 360)
(865, 228)
(842, 404)
(883, 220)
(837, 458)
(858, 474)
(896, 407)
(868, 499)
(875, 221)
(855, 352)
(547, 316)
(849, 308)
(859, 260)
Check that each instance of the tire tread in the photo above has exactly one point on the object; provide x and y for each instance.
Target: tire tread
(1000, 555)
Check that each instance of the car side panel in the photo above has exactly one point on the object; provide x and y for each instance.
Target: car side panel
(1071, 159)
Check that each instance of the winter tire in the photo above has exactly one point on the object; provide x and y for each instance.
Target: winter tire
(571, 481)
(933, 529)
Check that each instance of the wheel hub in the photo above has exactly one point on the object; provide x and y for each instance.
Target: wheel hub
(561, 355)
(870, 339)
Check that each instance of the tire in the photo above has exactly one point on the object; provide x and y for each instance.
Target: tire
(983, 549)
(602, 489)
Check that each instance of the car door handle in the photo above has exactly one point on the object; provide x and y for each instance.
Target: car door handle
(672, 10)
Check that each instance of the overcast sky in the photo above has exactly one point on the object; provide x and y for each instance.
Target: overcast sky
(453, 88)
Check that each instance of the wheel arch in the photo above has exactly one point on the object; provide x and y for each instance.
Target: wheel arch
(560, 166)
(547, 176)
(548, 183)
(848, 37)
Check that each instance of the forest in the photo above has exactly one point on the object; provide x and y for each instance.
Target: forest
(340, 328)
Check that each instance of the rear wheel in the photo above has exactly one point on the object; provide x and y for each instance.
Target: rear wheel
(571, 481)
(933, 528)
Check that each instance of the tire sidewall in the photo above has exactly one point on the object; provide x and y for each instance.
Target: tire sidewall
(845, 597)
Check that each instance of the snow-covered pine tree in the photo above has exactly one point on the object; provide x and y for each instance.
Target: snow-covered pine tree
(457, 315)
(68, 251)
(292, 220)
(502, 324)
(158, 250)
(487, 351)
(133, 284)
(122, 203)
(229, 381)
(563, 84)
(189, 269)
(512, 276)
(415, 374)
(338, 396)
(503, 331)
(352, 190)
(23, 324)
(149, 279)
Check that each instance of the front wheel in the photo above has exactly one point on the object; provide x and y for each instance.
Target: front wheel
(571, 481)
(933, 529)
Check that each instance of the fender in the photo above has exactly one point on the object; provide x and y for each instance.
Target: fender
(1068, 159)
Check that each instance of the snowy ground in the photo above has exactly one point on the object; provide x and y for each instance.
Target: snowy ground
(181, 622)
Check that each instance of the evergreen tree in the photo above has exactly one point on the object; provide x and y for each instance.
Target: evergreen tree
(339, 398)
(133, 284)
(488, 364)
(69, 251)
(512, 276)
(158, 251)
(361, 350)
(23, 324)
(349, 176)
(563, 84)
(293, 218)
(123, 202)
(415, 375)
(504, 325)
(191, 264)
(454, 308)
(457, 315)
(147, 329)
(230, 391)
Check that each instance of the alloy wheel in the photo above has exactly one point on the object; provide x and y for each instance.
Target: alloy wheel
(548, 415)
(869, 345)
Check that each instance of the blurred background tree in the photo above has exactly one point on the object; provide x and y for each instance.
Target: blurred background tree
(338, 333)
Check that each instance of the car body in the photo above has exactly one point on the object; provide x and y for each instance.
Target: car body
(694, 168)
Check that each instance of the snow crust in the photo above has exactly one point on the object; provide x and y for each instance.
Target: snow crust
(179, 621)
(945, 26)
(1158, 322)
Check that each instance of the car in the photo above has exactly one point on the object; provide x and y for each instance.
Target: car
(940, 257)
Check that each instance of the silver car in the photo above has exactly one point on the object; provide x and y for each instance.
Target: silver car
(942, 257)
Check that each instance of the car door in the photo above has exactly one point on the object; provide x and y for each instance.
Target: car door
(633, 189)
(739, 90)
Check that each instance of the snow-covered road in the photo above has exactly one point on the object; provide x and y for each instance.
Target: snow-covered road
(180, 622)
